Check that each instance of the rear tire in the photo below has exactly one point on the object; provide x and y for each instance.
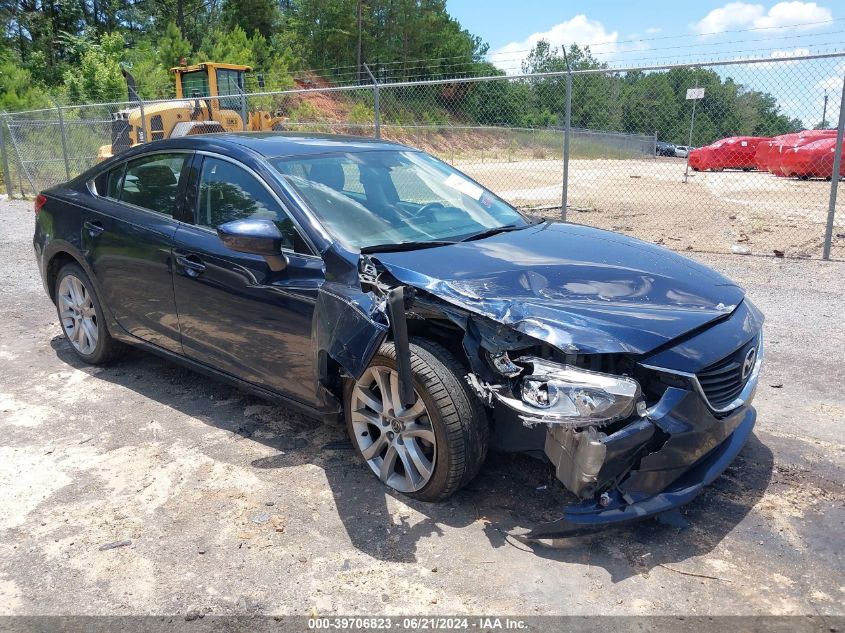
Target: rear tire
(81, 317)
(447, 412)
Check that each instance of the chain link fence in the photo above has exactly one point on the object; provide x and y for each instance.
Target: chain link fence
(739, 156)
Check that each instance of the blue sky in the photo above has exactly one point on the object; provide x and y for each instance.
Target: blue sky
(642, 33)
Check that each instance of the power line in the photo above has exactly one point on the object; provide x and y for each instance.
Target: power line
(593, 45)
(513, 56)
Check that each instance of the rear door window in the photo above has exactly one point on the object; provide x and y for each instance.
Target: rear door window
(152, 182)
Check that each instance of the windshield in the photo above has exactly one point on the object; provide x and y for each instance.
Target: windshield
(392, 197)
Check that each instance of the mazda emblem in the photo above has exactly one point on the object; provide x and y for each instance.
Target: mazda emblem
(748, 363)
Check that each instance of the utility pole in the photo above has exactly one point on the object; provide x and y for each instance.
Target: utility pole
(824, 111)
(180, 16)
(360, 73)
(567, 131)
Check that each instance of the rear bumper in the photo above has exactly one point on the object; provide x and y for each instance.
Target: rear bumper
(627, 506)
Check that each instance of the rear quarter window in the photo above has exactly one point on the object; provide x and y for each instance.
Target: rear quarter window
(108, 183)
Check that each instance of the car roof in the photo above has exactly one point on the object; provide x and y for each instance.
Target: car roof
(242, 145)
(276, 144)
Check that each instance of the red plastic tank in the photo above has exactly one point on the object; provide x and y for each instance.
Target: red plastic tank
(811, 160)
(735, 152)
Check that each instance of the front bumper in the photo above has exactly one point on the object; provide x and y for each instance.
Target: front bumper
(652, 465)
(590, 516)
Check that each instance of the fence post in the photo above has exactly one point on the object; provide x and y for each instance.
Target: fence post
(567, 121)
(376, 108)
(64, 136)
(691, 125)
(244, 113)
(4, 157)
(834, 177)
(142, 133)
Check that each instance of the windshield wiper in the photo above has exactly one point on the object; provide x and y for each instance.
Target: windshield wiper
(498, 229)
(415, 245)
(404, 246)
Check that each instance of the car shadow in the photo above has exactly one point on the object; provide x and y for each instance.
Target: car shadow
(512, 493)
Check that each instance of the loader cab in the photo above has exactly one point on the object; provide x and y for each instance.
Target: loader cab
(212, 80)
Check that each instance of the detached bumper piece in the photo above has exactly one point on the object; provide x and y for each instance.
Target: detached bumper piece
(698, 448)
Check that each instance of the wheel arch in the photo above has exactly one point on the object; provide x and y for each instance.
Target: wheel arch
(57, 258)
(60, 254)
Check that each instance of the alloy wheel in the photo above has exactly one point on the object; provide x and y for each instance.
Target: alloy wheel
(78, 314)
(398, 443)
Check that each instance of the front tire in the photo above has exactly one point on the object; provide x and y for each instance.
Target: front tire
(81, 317)
(431, 449)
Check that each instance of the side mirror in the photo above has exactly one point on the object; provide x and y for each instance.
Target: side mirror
(256, 237)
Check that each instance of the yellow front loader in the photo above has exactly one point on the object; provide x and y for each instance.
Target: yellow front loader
(210, 98)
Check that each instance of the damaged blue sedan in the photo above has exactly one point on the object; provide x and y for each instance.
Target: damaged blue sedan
(367, 281)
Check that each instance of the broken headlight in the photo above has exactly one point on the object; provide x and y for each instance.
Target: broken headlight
(568, 395)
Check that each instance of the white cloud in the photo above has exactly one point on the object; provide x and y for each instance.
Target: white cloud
(726, 17)
(793, 52)
(832, 84)
(781, 16)
(785, 14)
(652, 30)
(579, 30)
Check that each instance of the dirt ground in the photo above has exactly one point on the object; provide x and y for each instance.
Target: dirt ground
(222, 504)
(712, 212)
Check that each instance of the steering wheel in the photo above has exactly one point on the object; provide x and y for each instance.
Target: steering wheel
(426, 208)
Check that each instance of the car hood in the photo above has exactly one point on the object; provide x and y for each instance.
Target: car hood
(580, 289)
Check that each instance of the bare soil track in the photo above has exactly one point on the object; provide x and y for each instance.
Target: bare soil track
(710, 212)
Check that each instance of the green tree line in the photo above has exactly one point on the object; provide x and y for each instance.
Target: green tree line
(74, 50)
(632, 102)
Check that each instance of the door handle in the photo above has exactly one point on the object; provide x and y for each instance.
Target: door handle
(191, 263)
(94, 228)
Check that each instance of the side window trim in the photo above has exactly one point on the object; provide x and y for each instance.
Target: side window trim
(186, 195)
(306, 239)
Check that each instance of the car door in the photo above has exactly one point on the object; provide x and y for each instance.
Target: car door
(235, 313)
(127, 239)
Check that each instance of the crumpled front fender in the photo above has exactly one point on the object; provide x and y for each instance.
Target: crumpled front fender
(348, 327)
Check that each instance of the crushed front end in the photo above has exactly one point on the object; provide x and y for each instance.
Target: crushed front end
(636, 386)
(637, 437)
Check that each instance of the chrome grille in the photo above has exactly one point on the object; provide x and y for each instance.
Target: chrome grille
(723, 381)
